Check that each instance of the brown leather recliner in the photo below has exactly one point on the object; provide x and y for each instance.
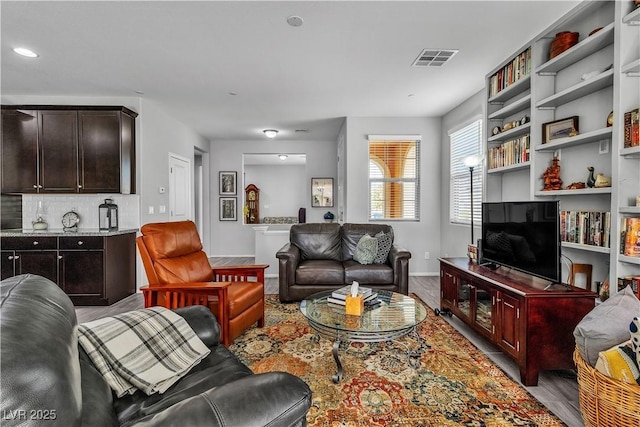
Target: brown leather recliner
(180, 274)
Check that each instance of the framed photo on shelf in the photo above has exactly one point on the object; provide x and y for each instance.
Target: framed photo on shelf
(228, 209)
(228, 183)
(559, 129)
(321, 192)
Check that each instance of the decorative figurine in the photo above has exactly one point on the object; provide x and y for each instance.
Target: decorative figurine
(602, 181)
(591, 179)
(551, 176)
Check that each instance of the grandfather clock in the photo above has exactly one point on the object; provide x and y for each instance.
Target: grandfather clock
(252, 204)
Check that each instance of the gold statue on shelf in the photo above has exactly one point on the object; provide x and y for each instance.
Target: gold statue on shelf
(551, 176)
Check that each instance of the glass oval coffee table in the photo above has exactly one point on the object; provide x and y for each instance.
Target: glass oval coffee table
(397, 315)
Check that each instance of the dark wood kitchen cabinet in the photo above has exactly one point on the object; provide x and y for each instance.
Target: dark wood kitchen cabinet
(68, 149)
(57, 151)
(19, 151)
(92, 270)
(513, 310)
(37, 255)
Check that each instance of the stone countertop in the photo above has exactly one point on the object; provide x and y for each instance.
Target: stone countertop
(57, 232)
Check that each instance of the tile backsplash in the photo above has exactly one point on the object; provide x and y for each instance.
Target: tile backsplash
(86, 206)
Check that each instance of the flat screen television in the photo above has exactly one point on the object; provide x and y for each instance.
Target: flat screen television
(524, 236)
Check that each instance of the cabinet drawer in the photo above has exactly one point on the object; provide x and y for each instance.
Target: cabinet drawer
(81, 242)
(29, 243)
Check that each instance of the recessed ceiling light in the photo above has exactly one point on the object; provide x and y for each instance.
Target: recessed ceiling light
(295, 21)
(271, 133)
(282, 156)
(25, 52)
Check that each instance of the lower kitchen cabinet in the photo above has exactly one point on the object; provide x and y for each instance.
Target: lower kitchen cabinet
(513, 310)
(92, 270)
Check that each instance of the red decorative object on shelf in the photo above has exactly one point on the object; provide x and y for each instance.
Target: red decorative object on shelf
(563, 41)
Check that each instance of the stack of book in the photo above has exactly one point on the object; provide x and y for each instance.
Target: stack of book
(631, 131)
(630, 237)
(339, 296)
(586, 228)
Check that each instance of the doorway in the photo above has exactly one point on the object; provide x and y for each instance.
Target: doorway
(179, 188)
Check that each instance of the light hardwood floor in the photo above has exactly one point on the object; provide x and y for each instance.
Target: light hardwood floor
(557, 390)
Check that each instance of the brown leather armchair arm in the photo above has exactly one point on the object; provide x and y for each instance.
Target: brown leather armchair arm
(399, 260)
(289, 258)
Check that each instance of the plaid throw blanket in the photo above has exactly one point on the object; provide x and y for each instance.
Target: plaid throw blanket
(148, 349)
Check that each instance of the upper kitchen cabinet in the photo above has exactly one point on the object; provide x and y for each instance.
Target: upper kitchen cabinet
(19, 151)
(68, 149)
(105, 166)
(57, 152)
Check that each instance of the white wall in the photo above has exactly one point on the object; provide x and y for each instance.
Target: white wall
(455, 238)
(416, 236)
(233, 238)
(283, 189)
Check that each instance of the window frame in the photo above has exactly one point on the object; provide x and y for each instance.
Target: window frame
(374, 180)
(459, 173)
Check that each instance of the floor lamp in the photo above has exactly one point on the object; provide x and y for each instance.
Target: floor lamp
(471, 162)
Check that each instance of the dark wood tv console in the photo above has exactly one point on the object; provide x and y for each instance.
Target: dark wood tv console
(513, 310)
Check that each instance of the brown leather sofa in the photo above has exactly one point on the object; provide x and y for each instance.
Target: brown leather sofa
(319, 257)
(49, 380)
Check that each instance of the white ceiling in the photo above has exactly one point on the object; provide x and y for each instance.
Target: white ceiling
(348, 59)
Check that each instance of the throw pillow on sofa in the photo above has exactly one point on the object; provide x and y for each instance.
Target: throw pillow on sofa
(384, 246)
(606, 325)
(366, 250)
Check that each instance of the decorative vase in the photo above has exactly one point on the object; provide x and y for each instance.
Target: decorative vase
(328, 217)
(591, 179)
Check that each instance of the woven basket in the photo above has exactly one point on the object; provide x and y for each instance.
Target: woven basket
(605, 402)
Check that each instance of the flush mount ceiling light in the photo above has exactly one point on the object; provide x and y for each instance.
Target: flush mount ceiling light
(282, 156)
(271, 133)
(295, 21)
(25, 52)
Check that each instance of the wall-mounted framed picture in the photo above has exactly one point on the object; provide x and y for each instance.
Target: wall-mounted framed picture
(228, 185)
(559, 129)
(321, 192)
(228, 209)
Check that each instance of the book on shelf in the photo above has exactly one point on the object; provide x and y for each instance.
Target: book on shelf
(346, 290)
(631, 128)
(586, 227)
(631, 245)
(632, 281)
(512, 152)
(518, 68)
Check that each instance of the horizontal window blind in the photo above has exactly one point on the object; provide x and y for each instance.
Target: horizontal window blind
(394, 185)
(465, 142)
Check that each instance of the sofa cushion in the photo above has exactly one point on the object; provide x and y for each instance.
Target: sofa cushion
(619, 363)
(324, 272)
(634, 328)
(352, 233)
(606, 325)
(366, 250)
(372, 274)
(385, 242)
(317, 241)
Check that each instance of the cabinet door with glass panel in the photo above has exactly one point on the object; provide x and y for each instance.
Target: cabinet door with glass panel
(475, 304)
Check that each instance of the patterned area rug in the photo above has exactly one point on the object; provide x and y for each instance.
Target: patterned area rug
(455, 384)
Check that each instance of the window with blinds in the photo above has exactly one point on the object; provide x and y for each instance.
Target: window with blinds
(465, 142)
(394, 178)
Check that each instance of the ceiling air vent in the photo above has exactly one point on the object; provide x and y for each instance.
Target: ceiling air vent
(434, 57)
